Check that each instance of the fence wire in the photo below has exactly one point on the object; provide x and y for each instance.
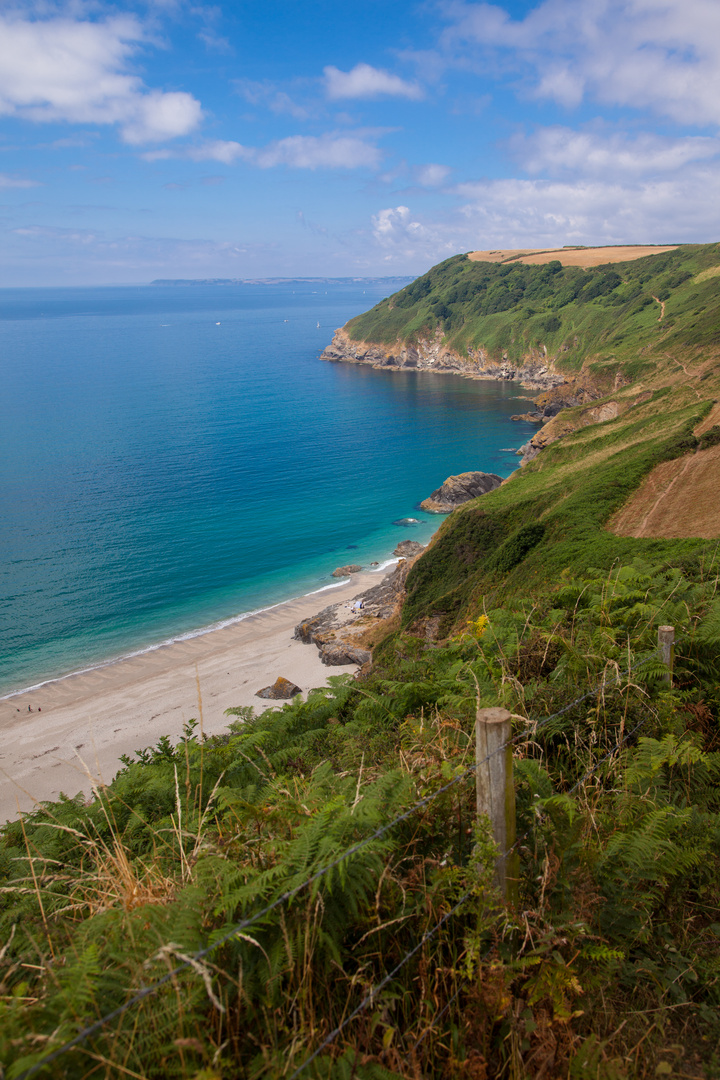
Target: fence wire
(370, 997)
(448, 1005)
(290, 894)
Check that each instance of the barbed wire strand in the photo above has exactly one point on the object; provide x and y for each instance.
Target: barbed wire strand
(525, 835)
(200, 954)
(369, 998)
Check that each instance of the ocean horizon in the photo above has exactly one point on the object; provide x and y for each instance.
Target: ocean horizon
(174, 459)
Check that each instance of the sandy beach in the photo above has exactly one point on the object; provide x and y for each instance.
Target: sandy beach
(70, 732)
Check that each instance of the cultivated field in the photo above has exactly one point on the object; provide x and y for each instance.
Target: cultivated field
(591, 256)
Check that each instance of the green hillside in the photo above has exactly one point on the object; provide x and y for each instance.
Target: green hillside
(510, 308)
(315, 882)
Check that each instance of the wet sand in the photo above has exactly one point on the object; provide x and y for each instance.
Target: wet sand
(78, 727)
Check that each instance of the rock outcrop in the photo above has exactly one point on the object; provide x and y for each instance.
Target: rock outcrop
(407, 548)
(529, 417)
(340, 630)
(345, 571)
(458, 490)
(281, 690)
(536, 370)
(340, 653)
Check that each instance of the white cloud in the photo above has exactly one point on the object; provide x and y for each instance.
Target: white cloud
(657, 54)
(404, 238)
(222, 150)
(557, 149)
(365, 81)
(537, 213)
(14, 182)
(214, 42)
(329, 151)
(682, 208)
(320, 152)
(62, 69)
(432, 175)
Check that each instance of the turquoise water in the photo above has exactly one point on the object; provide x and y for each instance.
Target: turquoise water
(171, 458)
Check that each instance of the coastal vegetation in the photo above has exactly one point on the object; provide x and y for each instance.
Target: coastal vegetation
(510, 308)
(315, 881)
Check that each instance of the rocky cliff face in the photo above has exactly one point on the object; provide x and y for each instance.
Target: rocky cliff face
(536, 371)
(340, 631)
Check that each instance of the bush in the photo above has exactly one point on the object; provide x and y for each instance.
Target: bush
(709, 438)
(516, 547)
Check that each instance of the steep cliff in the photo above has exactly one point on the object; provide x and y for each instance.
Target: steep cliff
(432, 354)
(592, 338)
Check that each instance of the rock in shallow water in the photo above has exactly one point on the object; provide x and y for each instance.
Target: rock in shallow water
(406, 522)
(343, 571)
(281, 690)
(458, 490)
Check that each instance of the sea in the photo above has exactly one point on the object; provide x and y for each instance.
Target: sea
(173, 458)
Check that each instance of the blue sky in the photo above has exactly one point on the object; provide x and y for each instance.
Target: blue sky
(175, 139)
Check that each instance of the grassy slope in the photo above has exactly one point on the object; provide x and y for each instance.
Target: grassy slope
(604, 315)
(570, 490)
(614, 966)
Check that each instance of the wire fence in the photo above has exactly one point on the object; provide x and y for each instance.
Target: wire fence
(372, 995)
(195, 958)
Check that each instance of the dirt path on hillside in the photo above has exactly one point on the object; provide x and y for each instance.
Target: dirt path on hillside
(662, 307)
(663, 495)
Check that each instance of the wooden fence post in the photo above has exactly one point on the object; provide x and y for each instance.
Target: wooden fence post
(496, 791)
(666, 649)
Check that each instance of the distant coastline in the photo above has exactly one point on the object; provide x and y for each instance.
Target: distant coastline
(399, 281)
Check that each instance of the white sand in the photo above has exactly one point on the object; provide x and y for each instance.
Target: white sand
(80, 725)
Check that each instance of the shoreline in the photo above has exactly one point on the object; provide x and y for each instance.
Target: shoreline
(68, 733)
(185, 635)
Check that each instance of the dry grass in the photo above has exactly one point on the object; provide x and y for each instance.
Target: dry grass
(710, 420)
(711, 272)
(678, 499)
(114, 880)
(592, 256)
